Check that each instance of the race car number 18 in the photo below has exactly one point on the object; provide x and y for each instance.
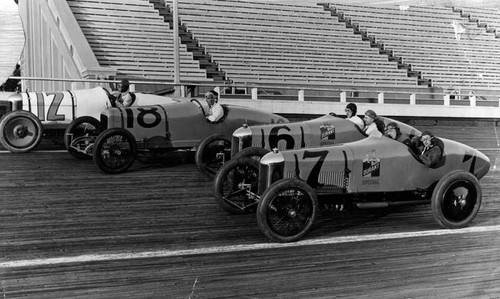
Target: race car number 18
(146, 118)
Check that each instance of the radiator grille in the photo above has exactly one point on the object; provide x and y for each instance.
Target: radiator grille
(328, 179)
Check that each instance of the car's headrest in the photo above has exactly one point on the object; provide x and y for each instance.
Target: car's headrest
(133, 98)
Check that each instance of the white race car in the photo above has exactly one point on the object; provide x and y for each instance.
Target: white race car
(25, 116)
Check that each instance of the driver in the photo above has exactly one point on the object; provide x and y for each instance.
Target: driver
(374, 125)
(215, 111)
(350, 111)
(393, 131)
(429, 153)
(123, 95)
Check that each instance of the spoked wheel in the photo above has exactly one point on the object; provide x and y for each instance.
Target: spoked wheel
(21, 131)
(456, 199)
(287, 210)
(236, 184)
(212, 153)
(80, 136)
(115, 150)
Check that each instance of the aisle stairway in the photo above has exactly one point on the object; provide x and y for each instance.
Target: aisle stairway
(131, 36)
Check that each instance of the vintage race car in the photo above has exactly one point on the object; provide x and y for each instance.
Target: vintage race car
(369, 173)
(159, 128)
(28, 116)
(256, 141)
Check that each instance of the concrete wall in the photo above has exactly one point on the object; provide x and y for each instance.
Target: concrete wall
(55, 47)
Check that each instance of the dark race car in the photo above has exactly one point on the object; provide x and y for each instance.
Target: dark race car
(369, 173)
(127, 132)
(236, 176)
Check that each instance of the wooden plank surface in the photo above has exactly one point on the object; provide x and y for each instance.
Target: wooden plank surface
(156, 232)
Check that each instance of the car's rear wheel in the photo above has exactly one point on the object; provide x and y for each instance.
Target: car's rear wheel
(236, 184)
(287, 210)
(212, 153)
(115, 150)
(20, 131)
(80, 136)
(456, 199)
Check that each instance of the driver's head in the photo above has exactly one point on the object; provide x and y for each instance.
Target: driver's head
(351, 109)
(211, 97)
(427, 138)
(124, 85)
(370, 117)
(392, 130)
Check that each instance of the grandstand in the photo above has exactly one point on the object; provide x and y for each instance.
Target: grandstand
(133, 38)
(362, 48)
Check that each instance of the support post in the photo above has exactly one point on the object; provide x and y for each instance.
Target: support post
(217, 90)
(343, 96)
(380, 97)
(472, 100)
(413, 99)
(255, 93)
(177, 63)
(446, 99)
(301, 95)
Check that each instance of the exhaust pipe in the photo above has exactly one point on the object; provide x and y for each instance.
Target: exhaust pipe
(385, 204)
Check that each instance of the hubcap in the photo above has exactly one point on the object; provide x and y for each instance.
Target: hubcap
(459, 202)
(290, 212)
(20, 131)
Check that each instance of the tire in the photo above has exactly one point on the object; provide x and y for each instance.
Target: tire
(456, 199)
(252, 152)
(287, 210)
(234, 185)
(212, 153)
(115, 150)
(21, 131)
(80, 136)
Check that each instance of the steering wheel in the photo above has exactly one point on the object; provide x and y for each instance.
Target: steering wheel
(111, 97)
(199, 105)
(414, 153)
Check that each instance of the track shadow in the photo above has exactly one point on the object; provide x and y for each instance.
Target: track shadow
(330, 222)
(149, 161)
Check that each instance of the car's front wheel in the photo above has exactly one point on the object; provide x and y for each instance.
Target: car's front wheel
(236, 184)
(212, 153)
(252, 152)
(20, 131)
(287, 210)
(115, 150)
(456, 199)
(80, 136)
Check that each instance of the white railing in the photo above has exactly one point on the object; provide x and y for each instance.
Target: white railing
(300, 98)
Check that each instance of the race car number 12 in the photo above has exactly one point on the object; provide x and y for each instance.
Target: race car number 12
(53, 107)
